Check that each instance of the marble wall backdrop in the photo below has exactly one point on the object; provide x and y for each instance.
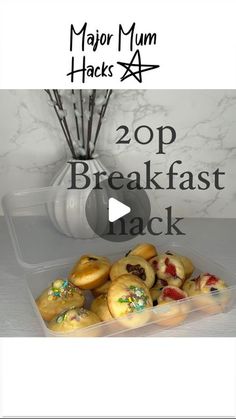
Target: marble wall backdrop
(32, 147)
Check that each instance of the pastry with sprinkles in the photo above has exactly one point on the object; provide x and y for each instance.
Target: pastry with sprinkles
(212, 292)
(73, 319)
(128, 295)
(134, 265)
(169, 268)
(61, 295)
(90, 272)
(169, 314)
(145, 250)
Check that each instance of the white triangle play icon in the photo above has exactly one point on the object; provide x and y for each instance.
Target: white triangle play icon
(116, 209)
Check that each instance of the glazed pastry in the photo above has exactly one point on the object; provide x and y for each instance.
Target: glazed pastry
(61, 295)
(134, 265)
(156, 290)
(73, 319)
(99, 306)
(145, 250)
(170, 314)
(90, 272)
(102, 289)
(169, 268)
(128, 294)
(208, 287)
(186, 262)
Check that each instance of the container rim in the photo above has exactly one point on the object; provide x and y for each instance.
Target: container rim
(153, 310)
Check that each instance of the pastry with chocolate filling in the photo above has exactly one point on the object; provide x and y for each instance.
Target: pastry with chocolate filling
(134, 265)
(169, 268)
(128, 295)
(90, 272)
(61, 295)
(74, 319)
(170, 313)
(210, 292)
(99, 306)
(145, 250)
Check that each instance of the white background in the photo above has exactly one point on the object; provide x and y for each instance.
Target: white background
(196, 41)
(136, 377)
(196, 49)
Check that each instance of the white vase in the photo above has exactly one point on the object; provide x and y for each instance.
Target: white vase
(67, 211)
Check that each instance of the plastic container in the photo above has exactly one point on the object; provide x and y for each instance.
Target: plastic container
(44, 254)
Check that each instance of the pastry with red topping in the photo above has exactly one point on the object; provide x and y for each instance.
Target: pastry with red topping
(169, 268)
(99, 306)
(134, 265)
(74, 319)
(128, 295)
(212, 291)
(61, 295)
(186, 262)
(145, 250)
(90, 272)
(156, 290)
(170, 314)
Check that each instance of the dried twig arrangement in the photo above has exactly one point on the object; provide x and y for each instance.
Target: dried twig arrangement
(88, 110)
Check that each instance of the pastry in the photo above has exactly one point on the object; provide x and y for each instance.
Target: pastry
(90, 272)
(189, 286)
(129, 295)
(170, 268)
(134, 265)
(170, 314)
(99, 306)
(212, 292)
(145, 250)
(102, 289)
(156, 290)
(73, 319)
(61, 295)
(186, 262)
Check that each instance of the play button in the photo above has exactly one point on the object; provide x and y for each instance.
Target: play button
(119, 211)
(116, 209)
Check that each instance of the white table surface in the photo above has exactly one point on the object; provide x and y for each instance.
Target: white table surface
(213, 237)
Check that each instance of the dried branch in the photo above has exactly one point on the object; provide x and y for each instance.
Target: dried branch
(88, 145)
(76, 116)
(102, 114)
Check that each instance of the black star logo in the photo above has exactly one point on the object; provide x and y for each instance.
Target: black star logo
(140, 68)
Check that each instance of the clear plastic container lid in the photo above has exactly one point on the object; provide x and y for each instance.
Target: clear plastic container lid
(46, 254)
(37, 242)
